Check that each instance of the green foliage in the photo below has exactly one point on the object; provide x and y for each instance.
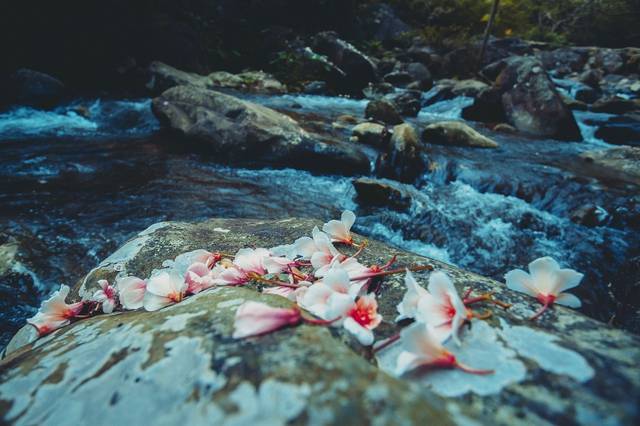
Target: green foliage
(589, 22)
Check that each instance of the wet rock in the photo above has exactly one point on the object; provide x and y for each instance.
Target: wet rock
(378, 90)
(358, 68)
(420, 74)
(373, 134)
(381, 193)
(34, 88)
(565, 60)
(574, 104)
(469, 87)
(455, 133)
(591, 78)
(179, 364)
(615, 105)
(163, 77)
(620, 163)
(610, 61)
(621, 130)
(384, 111)
(531, 102)
(20, 288)
(463, 62)
(590, 215)
(242, 131)
(315, 88)
(398, 78)
(407, 102)
(248, 81)
(487, 107)
(403, 159)
(587, 95)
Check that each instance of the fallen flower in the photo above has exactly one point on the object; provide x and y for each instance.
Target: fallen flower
(251, 260)
(106, 296)
(409, 304)
(546, 281)
(442, 308)
(55, 313)
(331, 297)
(254, 318)
(422, 348)
(131, 292)
(362, 318)
(200, 277)
(164, 289)
(340, 230)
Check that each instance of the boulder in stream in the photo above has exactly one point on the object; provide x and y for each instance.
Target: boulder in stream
(620, 163)
(381, 193)
(180, 365)
(384, 111)
(241, 131)
(455, 133)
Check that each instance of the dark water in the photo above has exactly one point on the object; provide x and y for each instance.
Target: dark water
(75, 188)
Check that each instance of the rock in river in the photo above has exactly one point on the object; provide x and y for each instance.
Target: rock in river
(241, 131)
(455, 133)
(179, 365)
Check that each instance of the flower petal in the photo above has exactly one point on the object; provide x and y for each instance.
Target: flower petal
(519, 280)
(543, 274)
(440, 285)
(567, 279)
(568, 299)
(364, 335)
(348, 218)
(153, 302)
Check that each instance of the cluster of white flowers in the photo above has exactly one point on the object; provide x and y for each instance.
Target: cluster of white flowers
(327, 288)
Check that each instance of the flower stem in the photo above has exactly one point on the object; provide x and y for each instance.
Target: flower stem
(541, 311)
(361, 248)
(256, 277)
(484, 316)
(385, 343)
(470, 370)
(391, 272)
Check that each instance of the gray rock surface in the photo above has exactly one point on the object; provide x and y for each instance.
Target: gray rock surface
(179, 364)
(455, 133)
(238, 130)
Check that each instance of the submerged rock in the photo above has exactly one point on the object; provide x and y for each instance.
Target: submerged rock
(180, 365)
(455, 133)
(242, 131)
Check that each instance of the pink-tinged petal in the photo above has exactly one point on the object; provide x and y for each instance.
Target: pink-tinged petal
(323, 243)
(305, 247)
(314, 298)
(231, 276)
(199, 268)
(103, 284)
(456, 324)
(161, 284)
(131, 291)
(338, 305)
(432, 311)
(320, 260)
(276, 265)
(364, 335)
(519, 280)
(348, 218)
(337, 279)
(283, 291)
(420, 340)
(409, 304)
(543, 274)
(440, 285)
(251, 260)
(46, 324)
(108, 306)
(567, 279)
(568, 299)
(99, 296)
(253, 318)
(153, 302)
(443, 332)
(406, 362)
(336, 231)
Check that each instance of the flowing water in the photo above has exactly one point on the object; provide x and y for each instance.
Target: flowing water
(79, 180)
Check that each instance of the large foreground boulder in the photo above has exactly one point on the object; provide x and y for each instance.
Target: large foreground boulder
(180, 365)
(242, 131)
(531, 102)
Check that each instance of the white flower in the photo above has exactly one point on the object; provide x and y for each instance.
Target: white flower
(362, 318)
(340, 230)
(55, 313)
(330, 297)
(164, 289)
(441, 307)
(106, 295)
(131, 292)
(546, 282)
(251, 260)
(254, 319)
